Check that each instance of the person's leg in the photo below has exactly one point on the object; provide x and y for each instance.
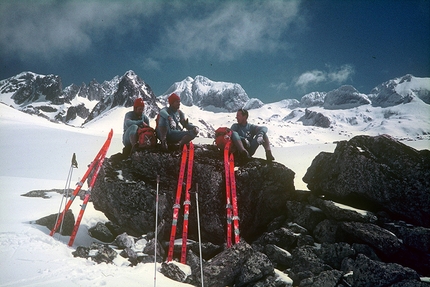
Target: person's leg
(237, 142)
(129, 139)
(265, 144)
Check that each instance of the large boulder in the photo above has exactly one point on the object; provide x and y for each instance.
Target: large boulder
(125, 192)
(375, 173)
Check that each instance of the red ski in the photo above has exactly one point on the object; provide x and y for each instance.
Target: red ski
(187, 203)
(87, 197)
(227, 191)
(176, 206)
(234, 201)
(100, 155)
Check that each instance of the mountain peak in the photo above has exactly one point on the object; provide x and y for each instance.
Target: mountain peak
(209, 95)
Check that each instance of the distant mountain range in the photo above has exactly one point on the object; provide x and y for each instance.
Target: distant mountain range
(75, 105)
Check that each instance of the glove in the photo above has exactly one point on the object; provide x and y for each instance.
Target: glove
(196, 130)
(172, 123)
(260, 139)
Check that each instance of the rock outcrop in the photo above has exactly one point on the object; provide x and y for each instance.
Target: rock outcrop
(315, 237)
(376, 173)
(127, 193)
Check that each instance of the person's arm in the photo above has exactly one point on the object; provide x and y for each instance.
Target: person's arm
(185, 123)
(258, 130)
(141, 123)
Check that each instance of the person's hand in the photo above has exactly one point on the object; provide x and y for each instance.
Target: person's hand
(196, 130)
(260, 139)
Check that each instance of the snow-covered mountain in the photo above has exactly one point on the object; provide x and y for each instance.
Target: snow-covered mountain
(43, 95)
(399, 107)
(401, 91)
(210, 95)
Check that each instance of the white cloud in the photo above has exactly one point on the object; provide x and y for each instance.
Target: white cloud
(312, 77)
(50, 28)
(151, 64)
(280, 87)
(233, 28)
(338, 75)
(225, 30)
(342, 74)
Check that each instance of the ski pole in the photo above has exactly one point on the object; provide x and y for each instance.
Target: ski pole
(66, 188)
(156, 227)
(81, 182)
(198, 229)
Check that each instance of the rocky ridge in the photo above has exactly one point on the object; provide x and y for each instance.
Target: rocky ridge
(307, 235)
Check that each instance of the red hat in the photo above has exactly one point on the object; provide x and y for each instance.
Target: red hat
(173, 98)
(138, 103)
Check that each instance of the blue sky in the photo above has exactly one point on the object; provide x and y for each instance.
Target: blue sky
(274, 49)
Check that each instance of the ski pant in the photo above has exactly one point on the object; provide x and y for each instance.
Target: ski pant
(253, 144)
(131, 130)
(174, 136)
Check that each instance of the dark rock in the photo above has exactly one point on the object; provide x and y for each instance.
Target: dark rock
(124, 241)
(225, 267)
(173, 272)
(327, 231)
(334, 254)
(304, 214)
(333, 211)
(306, 264)
(150, 249)
(327, 278)
(372, 273)
(256, 267)
(410, 283)
(282, 237)
(67, 226)
(312, 118)
(130, 254)
(99, 253)
(365, 250)
(280, 258)
(130, 201)
(375, 173)
(209, 249)
(303, 240)
(81, 251)
(381, 239)
(101, 232)
(416, 237)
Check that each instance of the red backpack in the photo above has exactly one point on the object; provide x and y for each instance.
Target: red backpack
(222, 136)
(146, 137)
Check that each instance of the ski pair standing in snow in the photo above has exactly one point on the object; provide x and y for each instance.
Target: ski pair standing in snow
(248, 137)
(172, 126)
(132, 121)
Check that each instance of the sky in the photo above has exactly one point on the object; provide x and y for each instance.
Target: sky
(274, 49)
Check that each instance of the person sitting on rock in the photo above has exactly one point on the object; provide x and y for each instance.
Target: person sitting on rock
(247, 137)
(132, 121)
(172, 126)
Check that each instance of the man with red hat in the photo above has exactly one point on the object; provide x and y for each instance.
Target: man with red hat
(132, 121)
(172, 127)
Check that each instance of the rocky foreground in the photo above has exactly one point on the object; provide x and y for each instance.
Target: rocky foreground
(313, 236)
